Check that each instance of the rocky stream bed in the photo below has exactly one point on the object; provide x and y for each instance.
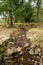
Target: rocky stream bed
(19, 50)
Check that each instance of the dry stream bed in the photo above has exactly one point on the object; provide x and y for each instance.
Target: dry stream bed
(20, 47)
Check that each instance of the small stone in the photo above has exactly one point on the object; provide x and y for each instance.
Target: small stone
(21, 53)
(38, 49)
(32, 60)
(42, 56)
(13, 37)
(21, 58)
(9, 51)
(19, 36)
(35, 63)
(26, 45)
(33, 45)
(36, 52)
(39, 54)
(19, 49)
(41, 63)
(31, 51)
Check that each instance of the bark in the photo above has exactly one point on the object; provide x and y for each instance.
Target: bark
(38, 9)
(10, 19)
(10, 14)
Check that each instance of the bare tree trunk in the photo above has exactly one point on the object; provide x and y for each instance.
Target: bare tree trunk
(38, 9)
(10, 19)
(10, 14)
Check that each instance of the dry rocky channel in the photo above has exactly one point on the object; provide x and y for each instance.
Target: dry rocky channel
(18, 49)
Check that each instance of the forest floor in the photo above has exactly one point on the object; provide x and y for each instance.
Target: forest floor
(24, 36)
(34, 32)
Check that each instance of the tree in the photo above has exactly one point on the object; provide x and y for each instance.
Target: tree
(10, 12)
(38, 9)
(20, 9)
(38, 6)
(6, 7)
(10, 6)
(25, 12)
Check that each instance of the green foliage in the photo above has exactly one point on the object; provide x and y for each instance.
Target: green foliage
(20, 10)
(25, 13)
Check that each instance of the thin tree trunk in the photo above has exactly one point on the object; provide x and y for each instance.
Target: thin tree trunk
(10, 20)
(10, 14)
(38, 9)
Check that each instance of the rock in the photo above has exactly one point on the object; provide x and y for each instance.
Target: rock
(39, 54)
(9, 51)
(21, 58)
(33, 60)
(21, 52)
(35, 63)
(33, 46)
(26, 44)
(38, 51)
(19, 49)
(31, 51)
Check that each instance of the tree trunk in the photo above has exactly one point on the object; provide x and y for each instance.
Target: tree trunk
(10, 19)
(10, 13)
(38, 9)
